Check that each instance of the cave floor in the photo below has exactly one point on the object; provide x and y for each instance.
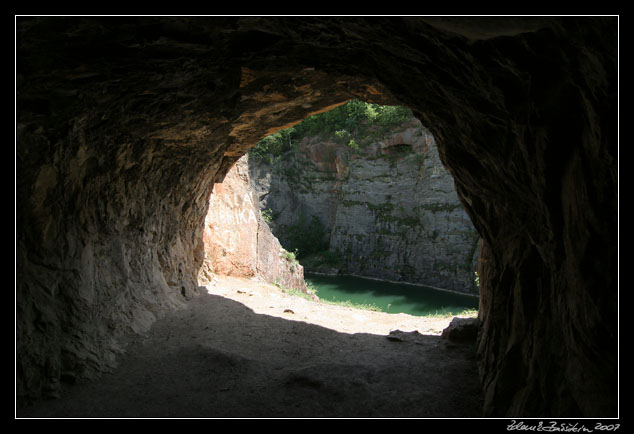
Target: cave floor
(246, 350)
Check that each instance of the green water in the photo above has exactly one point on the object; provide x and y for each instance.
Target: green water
(391, 297)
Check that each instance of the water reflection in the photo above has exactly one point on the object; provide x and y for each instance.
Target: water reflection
(391, 297)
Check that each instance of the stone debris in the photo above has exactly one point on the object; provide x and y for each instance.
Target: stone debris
(462, 330)
(401, 336)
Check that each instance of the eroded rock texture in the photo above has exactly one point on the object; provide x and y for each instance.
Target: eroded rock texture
(124, 124)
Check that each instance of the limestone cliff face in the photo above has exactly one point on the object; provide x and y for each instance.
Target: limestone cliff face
(390, 209)
(238, 242)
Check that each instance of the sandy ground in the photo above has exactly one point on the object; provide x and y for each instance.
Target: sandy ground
(246, 350)
(267, 299)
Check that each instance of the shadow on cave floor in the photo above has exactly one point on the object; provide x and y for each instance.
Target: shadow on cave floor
(218, 358)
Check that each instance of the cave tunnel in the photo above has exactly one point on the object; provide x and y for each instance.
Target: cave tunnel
(123, 125)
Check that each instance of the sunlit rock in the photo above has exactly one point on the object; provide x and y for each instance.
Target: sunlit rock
(237, 239)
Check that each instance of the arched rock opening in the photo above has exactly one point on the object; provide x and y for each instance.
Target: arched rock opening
(124, 124)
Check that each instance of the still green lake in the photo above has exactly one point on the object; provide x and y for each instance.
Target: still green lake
(389, 296)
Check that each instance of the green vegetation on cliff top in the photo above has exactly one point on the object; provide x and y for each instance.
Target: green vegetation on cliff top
(354, 124)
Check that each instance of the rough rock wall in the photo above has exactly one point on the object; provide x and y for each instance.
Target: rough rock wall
(389, 209)
(237, 240)
(124, 124)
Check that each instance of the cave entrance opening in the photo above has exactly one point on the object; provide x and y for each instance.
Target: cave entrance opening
(352, 204)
